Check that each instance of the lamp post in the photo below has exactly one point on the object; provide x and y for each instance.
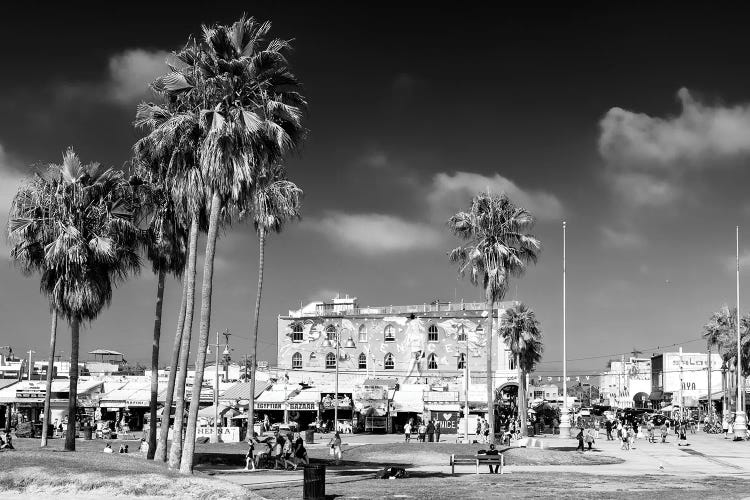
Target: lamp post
(215, 435)
(740, 422)
(564, 418)
(466, 388)
(348, 345)
(31, 366)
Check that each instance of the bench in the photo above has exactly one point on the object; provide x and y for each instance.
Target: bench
(477, 460)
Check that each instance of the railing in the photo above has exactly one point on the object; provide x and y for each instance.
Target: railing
(327, 310)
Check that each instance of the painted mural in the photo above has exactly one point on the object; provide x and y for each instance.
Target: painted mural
(407, 347)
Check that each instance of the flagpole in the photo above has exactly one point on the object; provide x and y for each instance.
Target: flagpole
(564, 417)
(740, 422)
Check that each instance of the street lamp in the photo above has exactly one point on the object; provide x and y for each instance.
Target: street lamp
(466, 387)
(349, 344)
(215, 436)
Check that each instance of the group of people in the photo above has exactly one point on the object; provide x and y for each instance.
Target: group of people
(108, 448)
(285, 452)
(7, 443)
(426, 431)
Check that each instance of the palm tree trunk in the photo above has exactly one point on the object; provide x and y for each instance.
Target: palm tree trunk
(490, 395)
(254, 348)
(50, 370)
(186, 465)
(155, 367)
(161, 446)
(175, 452)
(522, 412)
(70, 434)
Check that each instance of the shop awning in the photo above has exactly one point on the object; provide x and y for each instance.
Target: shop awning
(33, 391)
(408, 401)
(224, 411)
(132, 394)
(241, 390)
(381, 382)
(656, 396)
(304, 400)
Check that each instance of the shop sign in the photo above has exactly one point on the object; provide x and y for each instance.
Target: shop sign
(303, 406)
(269, 406)
(226, 434)
(448, 421)
(328, 402)
(136, 402)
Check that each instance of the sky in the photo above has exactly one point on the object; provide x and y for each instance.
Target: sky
(631, 125)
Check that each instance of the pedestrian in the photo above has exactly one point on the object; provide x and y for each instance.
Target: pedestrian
(725, 427)
(631, 438)
(597, 426)
(407, 432)
(250, 455)
(335, 450)
(422, 432)
(579, 437)
(683, 435)
(485, 431)
(608, 426)
(555, 425)
(430, 431)
(650, 430)
(479, 429)
(300, 453)
(437, 431)
(731, 427)
(664, 432)
(625, 439)
(493, 451)
(589, 437)
(278, 452)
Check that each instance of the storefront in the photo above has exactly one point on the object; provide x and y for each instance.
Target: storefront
(128, 406)
(372, 405)
(328, 404)
(408, 404)
(304, 407)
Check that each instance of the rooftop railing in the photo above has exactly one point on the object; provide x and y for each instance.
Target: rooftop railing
(336, 310)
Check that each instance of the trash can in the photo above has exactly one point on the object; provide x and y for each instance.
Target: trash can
(87, 433)
(310, 436)
(314, 487)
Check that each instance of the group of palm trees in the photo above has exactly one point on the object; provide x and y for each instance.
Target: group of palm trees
(228, 112)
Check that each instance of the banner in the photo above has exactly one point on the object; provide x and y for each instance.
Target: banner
(448, 421)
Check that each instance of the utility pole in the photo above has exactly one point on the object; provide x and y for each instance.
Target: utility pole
(681, 384)
(31, 366)
(564, 417)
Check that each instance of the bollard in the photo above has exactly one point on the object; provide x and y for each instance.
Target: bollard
(314, 487)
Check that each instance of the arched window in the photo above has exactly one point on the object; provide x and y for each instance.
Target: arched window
(432, 334)
(432, 362)
(388, 363)
(363, 333)
(461, 362)
(296, 361)
(331, 333)
(362, 361)
(297, 333)
(390, 333)
(511, 362)
(461, 334)
(330, 361)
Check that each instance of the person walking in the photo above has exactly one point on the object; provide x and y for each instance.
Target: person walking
(250, 455)
(335, 444)
(300, 452)
(479, 429)
(597, 427)
(437, 431)
(608, 427)
(430, 431)
(579, 437)
(422, 432)
(725, 426)
(664, 432)
(590, 433)
(407, 432)
(485, 431)
(650, 431)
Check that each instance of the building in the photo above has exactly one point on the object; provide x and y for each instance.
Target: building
(676, 375)
(626, 383)
(422, 348)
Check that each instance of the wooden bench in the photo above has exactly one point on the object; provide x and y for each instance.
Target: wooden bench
(478, 460)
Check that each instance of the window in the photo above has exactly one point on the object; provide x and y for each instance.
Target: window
(432, 334)
(330, 361)
(479, 328)
(362, 361)
(390, 333)
(511, 362)
(331, 333)
(388, 362)
(461, 334)
(362, 333)
(296, 361)
(297, 333)
(432, 362)
(461, 362)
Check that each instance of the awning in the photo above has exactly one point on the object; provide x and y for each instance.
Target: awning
(382, 382)
(408, 401)
(224, 411)
(656, 396)
(241, 390)
(305, 400)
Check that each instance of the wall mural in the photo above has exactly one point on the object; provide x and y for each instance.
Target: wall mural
(411, 349)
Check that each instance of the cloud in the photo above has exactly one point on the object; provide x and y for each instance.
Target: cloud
(698, 132)
(451, 193)
(730, 262)
(376, 234)
(131, 71)
(10, 180)
(643, 190)
(621, 240)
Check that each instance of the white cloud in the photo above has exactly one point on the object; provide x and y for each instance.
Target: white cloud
(451, 193)
(698, 132)
(131, 72)
(376, 234)
(643, 190)
(621, 240)
(10, 180)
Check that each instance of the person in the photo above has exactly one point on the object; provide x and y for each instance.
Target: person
(631, 437)
(126, 448)
(250, 455)
(266, 423)
(122, 448)
(437, 431)
(683, 435)
(407, 432)
(579, 437)
(430, 431)
(625, 439)
(335, 445)
(555, 426)
(664, 431)
(725, 427)
(650, 430)
(597, 426)
(731, 427)
(422, 432)
(493, 451)
(8, 445)
(262, 450)
(108, 449)
(278, 452)
(144, 446)
(479, 429)
(299, 452)
(287, 453)
(485, 430)
(608, 426)
(589, 437)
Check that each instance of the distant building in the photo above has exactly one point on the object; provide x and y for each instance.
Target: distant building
(672, 371)
(626, 383)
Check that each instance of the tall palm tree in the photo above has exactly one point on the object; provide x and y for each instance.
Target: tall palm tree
(520, 330)
(28, 254)
(721, 333)
(173, 144)
(250, 118)
(496, 246)
(273, 200)
(90, 245)
(166, 247)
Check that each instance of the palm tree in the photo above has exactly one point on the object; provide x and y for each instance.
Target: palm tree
(250, 118)
(273, 200)
(173, 146)
(721, 332)
(520, 330)
(497, 246)
(89, 241)
(28, 254)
